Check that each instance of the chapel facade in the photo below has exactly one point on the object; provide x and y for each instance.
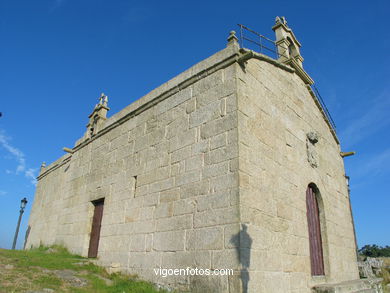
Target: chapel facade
(233, 164)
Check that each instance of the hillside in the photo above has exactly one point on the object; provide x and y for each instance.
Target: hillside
(47, 270)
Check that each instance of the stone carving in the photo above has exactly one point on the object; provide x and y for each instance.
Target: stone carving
(103, 100)
(281, 19)
(312, 155)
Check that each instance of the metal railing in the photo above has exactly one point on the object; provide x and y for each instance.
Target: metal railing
(268, 47)
(265, 45)
(324, 107)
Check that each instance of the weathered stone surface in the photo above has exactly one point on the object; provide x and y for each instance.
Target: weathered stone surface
(208, 170)
(169, 241)
(210, 238)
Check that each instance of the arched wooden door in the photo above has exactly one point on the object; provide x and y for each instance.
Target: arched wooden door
(314, 225)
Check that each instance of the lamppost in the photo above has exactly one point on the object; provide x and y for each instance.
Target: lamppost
(23, 203)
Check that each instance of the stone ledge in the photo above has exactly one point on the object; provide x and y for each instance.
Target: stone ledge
(218, 61)
(55, 165)
(354, 286)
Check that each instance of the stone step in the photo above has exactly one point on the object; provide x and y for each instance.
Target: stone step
(366, 291)
(344, 287)
(354, 286)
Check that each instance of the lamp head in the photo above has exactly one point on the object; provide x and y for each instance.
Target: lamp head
(23, 203)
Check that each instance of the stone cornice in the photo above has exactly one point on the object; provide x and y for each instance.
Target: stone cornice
(54, 166)
(220, 60)
(299, 71)
(249, 54)
(141, 107)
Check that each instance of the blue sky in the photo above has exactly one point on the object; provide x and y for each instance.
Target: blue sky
(57, 56)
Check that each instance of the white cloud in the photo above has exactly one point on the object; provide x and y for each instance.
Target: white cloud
(376, 164)
(19, 156)
(2, 192)
(31, 174)
(369, 168)
(372, 120)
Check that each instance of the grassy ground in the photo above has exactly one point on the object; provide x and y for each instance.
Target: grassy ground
(386, 274)
(56, 270)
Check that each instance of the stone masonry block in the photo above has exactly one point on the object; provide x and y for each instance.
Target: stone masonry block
(144, 260)
(218, 141)
(216, 217)
(204, 114)
(137, 242)
(224, 182)
(174, 100)
(174, 223)
(179, 125)
(215, 93)
(225, 259)
(215, 169)
(163, 210)
(194, 189)
(207, 83)
(181, 154)
(162, 185)
(150, 199)
(182, 140)
(153, 176)
(200, 147)
(184, 206)
(169, 241)
(170, 195)
(188, 177)
(184, 259)
(195, 162)
(205, 239)
(218, 126)
(213, 201)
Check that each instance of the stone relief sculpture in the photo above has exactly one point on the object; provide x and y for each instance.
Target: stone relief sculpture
(312, 155)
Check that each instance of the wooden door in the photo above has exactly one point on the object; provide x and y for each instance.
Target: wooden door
(314, 225)
(95, 231)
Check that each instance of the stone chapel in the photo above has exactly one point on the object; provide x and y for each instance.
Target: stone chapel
(233, 164)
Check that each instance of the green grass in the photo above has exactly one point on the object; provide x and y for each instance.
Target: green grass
(48, 281)
(38, 268)
(385, 274)
(42, 257)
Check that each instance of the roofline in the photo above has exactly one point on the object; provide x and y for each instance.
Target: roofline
(219, 60)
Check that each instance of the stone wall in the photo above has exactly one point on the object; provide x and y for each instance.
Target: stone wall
(168, 173)
(209, 170)
(275, 113)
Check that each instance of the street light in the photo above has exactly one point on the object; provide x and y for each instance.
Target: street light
(23, 204)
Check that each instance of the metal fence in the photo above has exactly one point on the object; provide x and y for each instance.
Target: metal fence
(262, 44)
(322, 102)
(251, 39)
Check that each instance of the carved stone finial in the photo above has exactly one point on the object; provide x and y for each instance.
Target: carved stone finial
(232, 37)
(281, 20)
(43, 166)
(103, 99)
